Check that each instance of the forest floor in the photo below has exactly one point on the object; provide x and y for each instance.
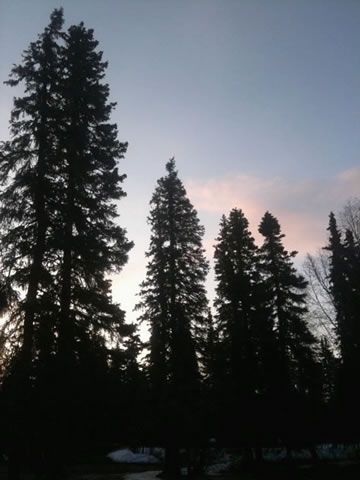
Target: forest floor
(339, 470)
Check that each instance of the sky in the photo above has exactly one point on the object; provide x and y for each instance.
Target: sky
(259, 102)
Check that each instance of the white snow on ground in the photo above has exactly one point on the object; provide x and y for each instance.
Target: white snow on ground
(329, 451)
(325, 451)
(221, 461)
(127, 456)
(225, 462)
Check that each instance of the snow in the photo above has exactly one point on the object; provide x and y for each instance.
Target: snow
(325, 451)
(127, 456)
(220, 461)
(335, 452)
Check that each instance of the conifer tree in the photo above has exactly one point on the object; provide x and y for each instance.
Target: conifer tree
(174, 303)
(238, 314)
(288, 294)
(345, 289)
(27, 171)
(59, 236)
(89, 242)
(338, 283)
(294, 356)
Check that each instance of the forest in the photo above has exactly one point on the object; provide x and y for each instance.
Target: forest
(274, 361)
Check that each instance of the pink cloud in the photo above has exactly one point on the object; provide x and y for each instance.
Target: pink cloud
(301, 206)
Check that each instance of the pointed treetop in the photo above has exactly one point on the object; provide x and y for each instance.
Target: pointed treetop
(57, 19)
(332, 222)
(334, 233)
(170, 166)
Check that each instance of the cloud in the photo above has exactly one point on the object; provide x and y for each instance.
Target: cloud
(301, 206)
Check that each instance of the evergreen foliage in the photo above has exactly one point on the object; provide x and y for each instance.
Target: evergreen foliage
(60, 239)
(345, 287)
(239, 311)
(287, 304)
(294, 359)
(27, 175)
(173, 300)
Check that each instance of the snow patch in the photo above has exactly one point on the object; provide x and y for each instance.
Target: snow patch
(127, 456)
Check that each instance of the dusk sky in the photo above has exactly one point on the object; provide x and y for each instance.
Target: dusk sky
(258, 100)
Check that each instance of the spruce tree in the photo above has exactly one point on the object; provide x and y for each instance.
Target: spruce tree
(352, 293)
(174, 303)
(338, 284)
(239, 310)
(27, 171)
(345, 289)
(90, 244)
(294, 356)
(60, 239)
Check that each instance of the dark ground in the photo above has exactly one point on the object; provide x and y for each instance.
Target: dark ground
(280, 471)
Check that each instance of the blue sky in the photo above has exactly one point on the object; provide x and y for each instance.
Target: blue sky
(259, 101)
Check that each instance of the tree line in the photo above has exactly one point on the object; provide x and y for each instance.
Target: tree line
(75, 377)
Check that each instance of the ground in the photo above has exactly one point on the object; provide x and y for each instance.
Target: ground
(280, 471)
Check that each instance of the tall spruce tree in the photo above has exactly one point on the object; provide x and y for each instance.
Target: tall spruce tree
(345, 288)
(89, 242)
(239, 311)
(59, 235)
(27, 171)
(174, 303)
(294, 359)
(338, 284)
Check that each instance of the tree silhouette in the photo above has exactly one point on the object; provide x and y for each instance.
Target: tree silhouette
(345, 288)
(60, 239)
(239, 309)
(174, 303)
(294, 356)
(27, 174)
